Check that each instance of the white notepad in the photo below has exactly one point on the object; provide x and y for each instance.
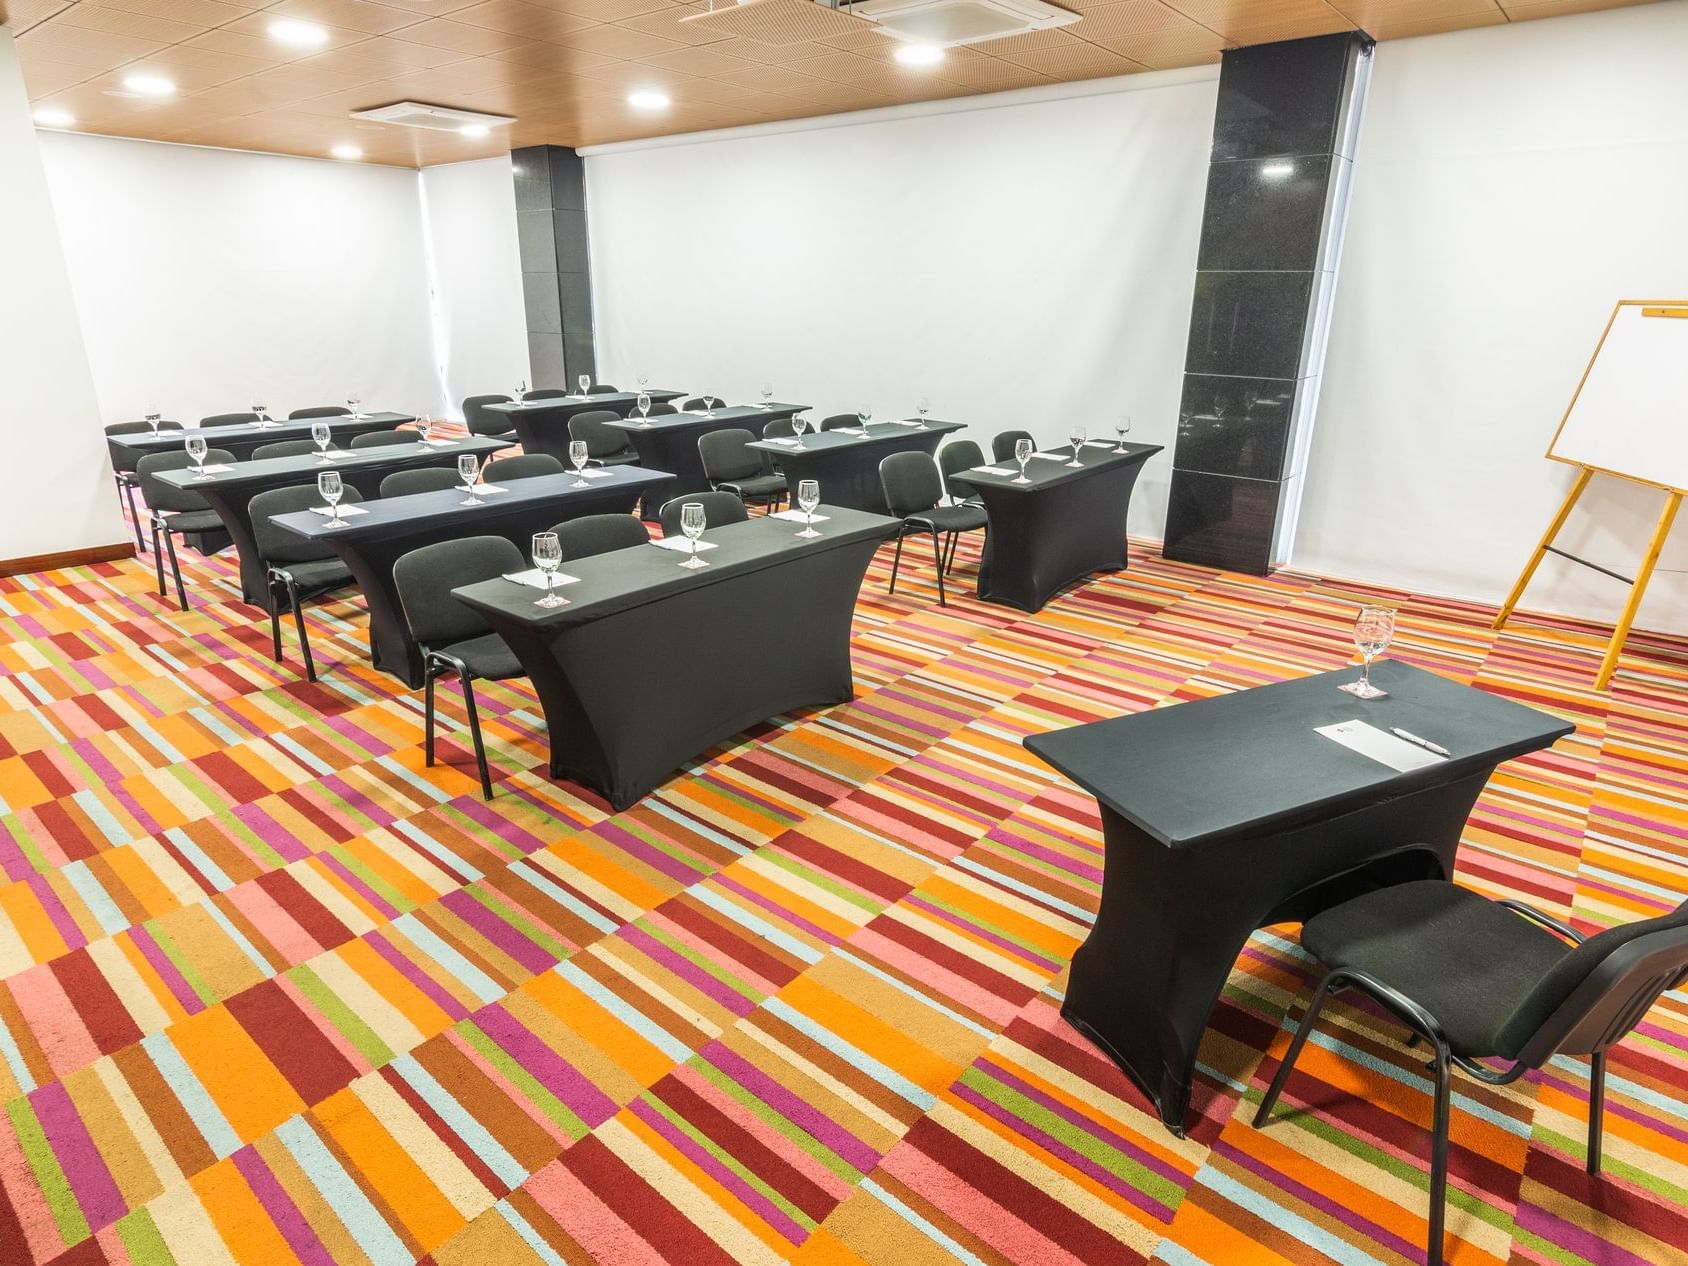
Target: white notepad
(991, 470)
(594, 472)
(797, 516)
(346, 512)
(211, 470)
(1380, 746)
(680, 545)
(533, 578)
(784, 443)
(1054, 457)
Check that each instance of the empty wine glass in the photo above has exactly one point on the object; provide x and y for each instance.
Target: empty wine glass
(321, 434)
(767, 395)
(798, 426)
(644, 380)
(521, 389)
(864, 415)
(1076, 435)
(1122, 428)
(644, 407)
(922, 409)
(577, 455)
(329, 485)
(196, 451)
(1374, 627)
(468, 470)
(1022, 454)
(709, 406)
(153, 419)
(352, 403)
(261, 413)
(808, 497)
(548, 556)
(585, 381)
(692, 523)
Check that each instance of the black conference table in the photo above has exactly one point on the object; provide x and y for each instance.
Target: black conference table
(542, 426)
(1228, 814)
(651, 664)
(846, 465)
(1063, 525)
(669, 441)
(230, 492)
(372, 542)
(241, 440)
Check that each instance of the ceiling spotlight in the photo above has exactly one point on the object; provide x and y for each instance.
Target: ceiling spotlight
(149, 85)
(1277, 171)
(475, 131)
(919, 54)
(47, 116)
(347, 152)
(292, 31)
(648, 99)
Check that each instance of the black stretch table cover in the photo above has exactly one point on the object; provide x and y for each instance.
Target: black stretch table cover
(651, 664)
(542, 426)
(669, 442)
(1228, 814)
(847, 466)
(230, 492)
(241, 440)
(371, 543)
(1065, 524)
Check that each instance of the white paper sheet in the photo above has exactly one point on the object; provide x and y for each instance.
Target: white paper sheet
(594, 472)
(533, 578)
(346, 512)
(993, 470)
(680, 545)
(796, 516)
(211, 470)
(1054, 457)
(1380, 746)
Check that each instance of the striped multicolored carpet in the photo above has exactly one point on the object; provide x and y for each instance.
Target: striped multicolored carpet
(274, 993)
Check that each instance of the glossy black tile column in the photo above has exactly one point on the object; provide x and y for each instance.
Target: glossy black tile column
(1277, 196)
(556, 263)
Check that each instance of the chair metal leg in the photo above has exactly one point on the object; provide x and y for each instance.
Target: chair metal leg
(938, 558)
(475, 733)
(175, 568)
(429, 672)
(1596, 1108)
(275, 619)
(299, 623)
(127, 491)
(1439, 1158)
(896, 562)
(1320, 996)
(157, 556)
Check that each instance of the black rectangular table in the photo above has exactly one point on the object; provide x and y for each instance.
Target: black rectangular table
(1065, 524)
(669, 441)
(1228, 814)
(241, 440)
(847, 465)
(371, 543)
(230, 492)
(651, 664)
(542, 426)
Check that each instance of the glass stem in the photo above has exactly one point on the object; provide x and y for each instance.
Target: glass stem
(1365, 671)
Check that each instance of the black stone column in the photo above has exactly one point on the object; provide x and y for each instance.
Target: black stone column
(556, 263)
(1277, 197)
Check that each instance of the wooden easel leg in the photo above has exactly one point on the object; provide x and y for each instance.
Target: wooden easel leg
(1609, 665)
(1583, 476)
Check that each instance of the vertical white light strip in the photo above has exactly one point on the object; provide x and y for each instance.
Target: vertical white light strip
(439, 328)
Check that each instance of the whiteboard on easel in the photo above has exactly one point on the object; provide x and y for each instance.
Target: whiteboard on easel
(1630, 414)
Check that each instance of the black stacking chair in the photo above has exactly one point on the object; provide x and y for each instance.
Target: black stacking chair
(1488, 980)
(605, 445)
(483, 421)
(454, 638)
(778, 429)
(320, 411)
(295, 567)
(228, 419)
(175, 509)
(667, 406)
(384, 439)
(123, 468)
(524, 466)
(836, 421)
(719, 509)
(603, 389)
(545, 393)
(732, 466)
(1002, 446)
(955, 457)
(599, 534)
(402, 483)
(283, 448)
(914, 491)
(702, 403)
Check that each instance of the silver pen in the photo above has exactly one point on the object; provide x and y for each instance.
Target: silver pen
(1425, 743)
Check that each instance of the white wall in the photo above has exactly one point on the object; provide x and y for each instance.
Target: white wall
(1512, 182)
(1021, 265)
(469, 215)
(60, 496)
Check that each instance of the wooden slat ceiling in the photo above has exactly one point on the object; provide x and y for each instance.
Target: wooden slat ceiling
(564, 68)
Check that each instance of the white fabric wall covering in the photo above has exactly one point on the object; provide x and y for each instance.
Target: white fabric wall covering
(1512, 183)
(1020, 265)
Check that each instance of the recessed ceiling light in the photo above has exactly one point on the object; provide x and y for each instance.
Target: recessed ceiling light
(919, 54)
(149, 85)
(648, 99)
(47, 116)
(1277, 171)
(292, 31)
(475, 130)
(347, 152)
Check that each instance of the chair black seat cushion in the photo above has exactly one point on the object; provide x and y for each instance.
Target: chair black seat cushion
(487, 656)
(961, 518)
(319, 573)
(627, 457)
(1469, 962)
(756, 486)
(194, 521)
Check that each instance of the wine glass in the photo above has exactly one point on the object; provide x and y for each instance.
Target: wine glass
(767, 395)
(1373, 629)
(692, 523)
(548, 556)
(521, 389)
(577, 455)
(808, 497)
(798, 426)
(1076, 434)
(352, 403)
(1122, 428)
(196, 451)
(329, 485)
(864, 415)
(709, 406)
(585, 381)
(644, 380)
(468, 470)
(644, 407)
(153, 419)
(1022, 454)
(322, 434)
(922, 409)
(261, 413)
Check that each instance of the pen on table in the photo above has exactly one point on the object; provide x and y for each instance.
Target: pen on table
(1425, 743)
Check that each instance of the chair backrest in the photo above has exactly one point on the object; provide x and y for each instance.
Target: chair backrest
(525, 466)
(283, 448)
(277, 544)
(601, 439)
(321, 411)
(228, 419)
(1599, 991)
(123, 458)
(834, 421)
(160, 495)
(955, 457)
(701, 403)
(1002, 446)
(779, 428)
(482, 421)
(667, 406)
(425, 578)
(719, 509)
(725, 456)
(545, 393)
(383, 439)
(402, 483)
(139, 428)
(603, 389)
(911, 483)
(599, 534)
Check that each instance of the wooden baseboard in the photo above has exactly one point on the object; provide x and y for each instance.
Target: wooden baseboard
(67, 558)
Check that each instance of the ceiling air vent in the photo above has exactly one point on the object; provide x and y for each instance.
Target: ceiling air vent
(961, 21)
(775, 21)
(434, 118)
